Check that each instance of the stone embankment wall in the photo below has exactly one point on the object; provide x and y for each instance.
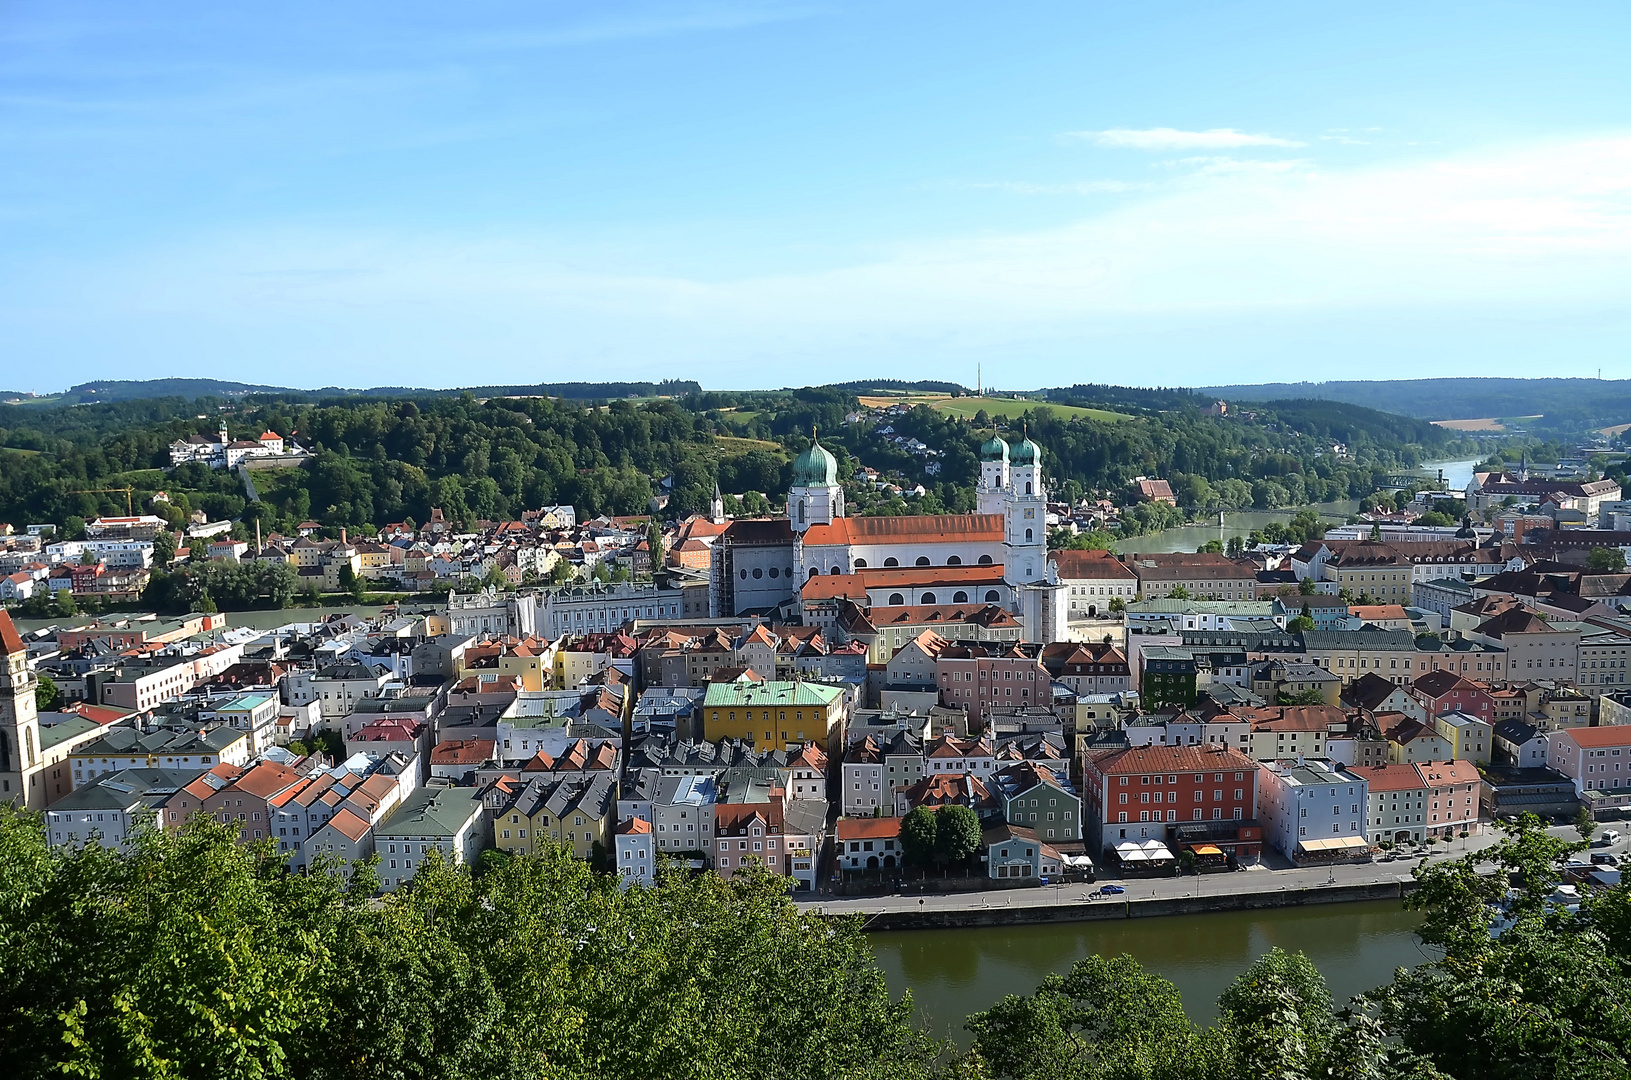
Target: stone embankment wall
(996, 913)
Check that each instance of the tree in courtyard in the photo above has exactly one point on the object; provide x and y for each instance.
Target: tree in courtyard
(164, 548)
(1117, 604)
(1584, 823)
(46, 694)
(1606, 560)
(957, 834)
(1306, 587)
(1179, 592)
(918, 832)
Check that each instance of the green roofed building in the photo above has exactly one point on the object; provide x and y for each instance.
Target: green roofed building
(776, 715)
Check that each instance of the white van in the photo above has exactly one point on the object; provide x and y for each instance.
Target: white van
(1609, 837)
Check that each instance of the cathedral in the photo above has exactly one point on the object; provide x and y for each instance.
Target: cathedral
(997, 555)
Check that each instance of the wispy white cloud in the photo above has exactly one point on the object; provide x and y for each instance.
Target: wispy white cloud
(1165, 138)
(1218, 165)
(1526, 228)
(1081, 187)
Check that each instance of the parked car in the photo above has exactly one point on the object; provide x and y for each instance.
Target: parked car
(1610, 837)
(1604, 858)
(1112, 890)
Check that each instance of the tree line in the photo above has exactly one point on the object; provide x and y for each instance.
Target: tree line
(379, 460)
(192, 955)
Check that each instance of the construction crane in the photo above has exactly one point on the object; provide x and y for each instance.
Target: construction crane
(130, 506)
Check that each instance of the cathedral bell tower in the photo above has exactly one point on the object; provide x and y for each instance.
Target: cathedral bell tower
(816, 497)
(1025, 515)
(991, 492)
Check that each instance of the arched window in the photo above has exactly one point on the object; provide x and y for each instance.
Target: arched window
(928, 598)
(954, 560)
(860, 564)
(896, 599)
(1028, 536)
(992, 596)
(890, 561)
(985, 560)
(923, 560)
(802, 504)
(814, 571)
(1027, 487)
(959, 597)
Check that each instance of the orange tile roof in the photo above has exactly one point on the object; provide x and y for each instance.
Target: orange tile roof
(1595, 737)
(1389, 777)
(868, 828)
(11, 642)
(634, 826)
(919, 528)
(1150, 759)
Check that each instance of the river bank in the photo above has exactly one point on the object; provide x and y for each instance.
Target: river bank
(1070, 903)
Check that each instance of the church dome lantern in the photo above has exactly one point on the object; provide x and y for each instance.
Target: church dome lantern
(994, 449)
(1026, 453)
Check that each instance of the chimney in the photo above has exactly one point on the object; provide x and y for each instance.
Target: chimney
(342, 535)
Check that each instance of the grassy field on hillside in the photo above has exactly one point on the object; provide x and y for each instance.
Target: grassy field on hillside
(730, 444)
(968, 406)
(1488, 423)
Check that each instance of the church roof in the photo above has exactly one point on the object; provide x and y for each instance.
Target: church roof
(815, 467)
(907, 529)
(11, 642)
(1026, 453)
(994, 450)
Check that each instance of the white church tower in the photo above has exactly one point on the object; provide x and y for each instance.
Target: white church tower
(1025, 515)
(816, 497)
(992, 490)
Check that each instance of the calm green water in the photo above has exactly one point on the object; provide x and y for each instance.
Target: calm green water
(952, 973)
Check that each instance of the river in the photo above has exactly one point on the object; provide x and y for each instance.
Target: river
(952, 973)
(1457, 475)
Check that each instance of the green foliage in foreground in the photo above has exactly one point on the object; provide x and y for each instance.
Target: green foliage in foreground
(195, 957)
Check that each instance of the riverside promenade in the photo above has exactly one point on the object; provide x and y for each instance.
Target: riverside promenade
(1259, 887)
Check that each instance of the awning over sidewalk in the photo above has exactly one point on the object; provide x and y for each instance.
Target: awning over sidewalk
(1207, 849)
(1334, 845)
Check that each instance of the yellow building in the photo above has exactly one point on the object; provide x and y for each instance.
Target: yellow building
(373, 560)
(1367, 568)
(775, 714)
(577, 812)
(531, 661)
(1469, 736)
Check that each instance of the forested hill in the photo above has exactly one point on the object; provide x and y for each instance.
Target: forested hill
(375, 460)
(1567, 404)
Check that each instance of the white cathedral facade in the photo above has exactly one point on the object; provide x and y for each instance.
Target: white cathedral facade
(761, 564)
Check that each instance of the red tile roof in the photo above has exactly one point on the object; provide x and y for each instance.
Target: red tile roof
(886, 828)
(921, 528)
(1595, 737)
(11, 642)
(1150, 759)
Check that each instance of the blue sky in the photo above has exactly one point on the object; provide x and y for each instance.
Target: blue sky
(765, 194)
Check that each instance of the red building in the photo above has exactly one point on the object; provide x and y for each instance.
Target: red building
(983, 677)
(1144, 792)
(1443, 692)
